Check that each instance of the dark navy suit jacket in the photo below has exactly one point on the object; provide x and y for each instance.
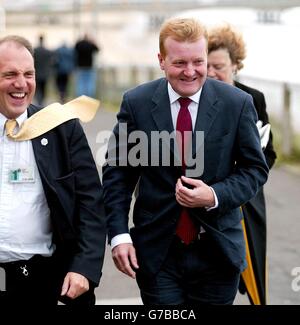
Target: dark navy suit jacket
(234, 166)
(74, 195)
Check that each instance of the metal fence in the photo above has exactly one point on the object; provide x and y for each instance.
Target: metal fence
(283, 98)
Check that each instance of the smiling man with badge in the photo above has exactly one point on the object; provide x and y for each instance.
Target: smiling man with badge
(52, 227)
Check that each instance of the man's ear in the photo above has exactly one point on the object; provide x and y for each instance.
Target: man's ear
(161, 61)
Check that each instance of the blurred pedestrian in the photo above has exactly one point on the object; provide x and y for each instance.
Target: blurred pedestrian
(86, 74)
(226, 52)
(64, 62)
(43, 61)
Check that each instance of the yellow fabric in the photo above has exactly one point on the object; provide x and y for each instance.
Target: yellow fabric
(248, 275)
(46, 119)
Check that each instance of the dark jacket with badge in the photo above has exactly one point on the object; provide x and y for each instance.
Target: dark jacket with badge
(74, 194)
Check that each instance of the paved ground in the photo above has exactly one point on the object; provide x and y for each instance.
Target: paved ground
(283, 204)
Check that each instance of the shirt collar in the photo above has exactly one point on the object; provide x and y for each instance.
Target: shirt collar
(173, 95)
(20, 119)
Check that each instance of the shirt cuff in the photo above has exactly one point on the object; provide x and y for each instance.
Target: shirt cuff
(120, 239)
(216, 201)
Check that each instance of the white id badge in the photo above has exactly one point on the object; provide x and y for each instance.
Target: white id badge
(24, 174)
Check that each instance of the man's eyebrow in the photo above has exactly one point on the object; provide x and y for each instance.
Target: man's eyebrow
(10, 72)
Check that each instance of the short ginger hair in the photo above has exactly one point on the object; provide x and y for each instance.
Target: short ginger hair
(181, 30)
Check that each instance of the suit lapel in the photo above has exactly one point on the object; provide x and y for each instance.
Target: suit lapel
(207, 112)
(161, 113)
(42, 148)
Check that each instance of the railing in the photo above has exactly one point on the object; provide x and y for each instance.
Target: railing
(283, 106)
(282, 98)
(115, 80)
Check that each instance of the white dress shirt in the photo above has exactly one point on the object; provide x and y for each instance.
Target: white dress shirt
(25, 227)
(175, 107)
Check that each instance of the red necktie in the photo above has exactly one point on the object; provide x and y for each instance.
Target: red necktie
(186, 229)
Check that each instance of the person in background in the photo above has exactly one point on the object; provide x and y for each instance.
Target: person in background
(226, 52)
(86, 75)
(52, 225)
(64, 62)
(43, 62)
(187, 244)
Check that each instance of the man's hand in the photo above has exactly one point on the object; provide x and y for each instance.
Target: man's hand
(198, 195)
(124, 257)
(74, 285)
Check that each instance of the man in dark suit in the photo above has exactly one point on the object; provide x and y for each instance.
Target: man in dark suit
(52, 226)
(186, 246)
